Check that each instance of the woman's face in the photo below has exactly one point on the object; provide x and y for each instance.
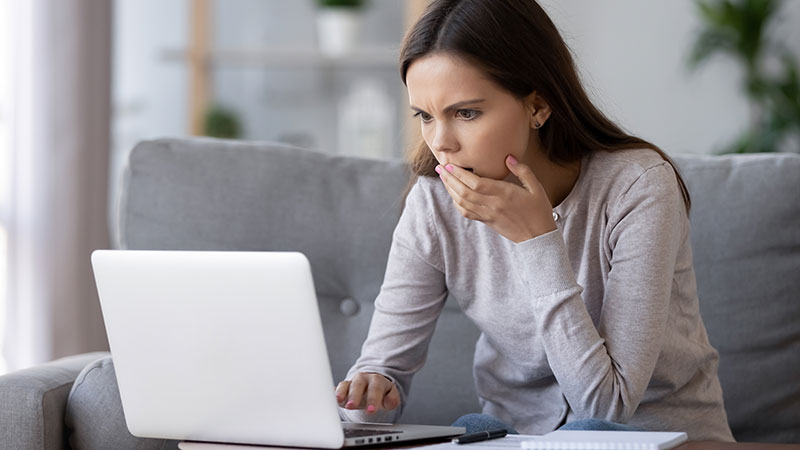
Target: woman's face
(467, 120)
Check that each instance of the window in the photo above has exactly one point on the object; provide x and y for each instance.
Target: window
(5, 166)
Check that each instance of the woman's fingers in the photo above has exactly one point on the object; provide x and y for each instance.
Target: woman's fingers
(525, 175)
(341, 392)
(392, 399)
(467, 185)
(465, 207)
(377, 389)
(370, 391)
(358, 387)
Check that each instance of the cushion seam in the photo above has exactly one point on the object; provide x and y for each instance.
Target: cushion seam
(41, 415)
(78, 384)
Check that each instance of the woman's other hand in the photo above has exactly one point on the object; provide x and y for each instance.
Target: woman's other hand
(518, 213)
(368, 390)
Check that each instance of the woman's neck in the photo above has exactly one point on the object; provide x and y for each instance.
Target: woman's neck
(557, 180)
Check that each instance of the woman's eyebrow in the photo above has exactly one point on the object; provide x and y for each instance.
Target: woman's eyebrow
(454, 105)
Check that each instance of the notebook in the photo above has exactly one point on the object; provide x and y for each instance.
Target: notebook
(605, 440)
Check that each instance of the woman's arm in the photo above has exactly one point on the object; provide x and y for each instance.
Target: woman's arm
(406, 310)
(604, 371)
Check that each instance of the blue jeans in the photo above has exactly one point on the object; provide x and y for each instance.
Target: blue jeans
(485, 422)
(482, 422)
(598, 425)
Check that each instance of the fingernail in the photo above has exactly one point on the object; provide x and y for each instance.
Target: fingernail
(438, 170)
(449, 168)
(370, 408)
(512, 160)
(349, 404)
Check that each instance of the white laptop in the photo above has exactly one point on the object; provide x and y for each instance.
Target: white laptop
(226, 347)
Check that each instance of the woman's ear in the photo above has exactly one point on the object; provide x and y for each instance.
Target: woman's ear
(538, 109)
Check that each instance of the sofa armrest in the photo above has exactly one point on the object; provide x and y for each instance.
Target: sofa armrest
(34, 401)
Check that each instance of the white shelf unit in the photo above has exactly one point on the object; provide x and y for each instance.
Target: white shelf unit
(288, 58)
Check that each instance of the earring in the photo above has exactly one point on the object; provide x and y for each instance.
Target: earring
(536, 124)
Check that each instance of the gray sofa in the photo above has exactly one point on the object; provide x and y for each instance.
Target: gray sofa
(340, 211)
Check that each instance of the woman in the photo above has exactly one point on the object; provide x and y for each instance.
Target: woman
(563, 238)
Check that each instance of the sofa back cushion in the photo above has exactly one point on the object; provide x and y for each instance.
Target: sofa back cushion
(746, 243)
(209, 194)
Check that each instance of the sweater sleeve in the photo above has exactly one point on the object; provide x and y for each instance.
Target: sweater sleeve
(603, 372)
(409, 303)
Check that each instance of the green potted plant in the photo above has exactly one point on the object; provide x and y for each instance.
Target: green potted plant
(740, 29)
(222, 123)
(338, 25)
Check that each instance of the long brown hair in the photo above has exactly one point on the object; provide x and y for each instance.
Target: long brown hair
(519, 47)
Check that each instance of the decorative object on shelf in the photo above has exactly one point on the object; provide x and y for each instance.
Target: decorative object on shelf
(338, 25)
(741, 29)
(222, 123)
(366, 120)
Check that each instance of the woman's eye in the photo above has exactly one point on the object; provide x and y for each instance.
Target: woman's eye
(425, 117)
(467, 114)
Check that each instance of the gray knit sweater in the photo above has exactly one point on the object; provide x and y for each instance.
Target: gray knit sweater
(597, 319)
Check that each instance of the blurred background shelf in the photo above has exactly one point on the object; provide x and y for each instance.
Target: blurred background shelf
(292, 58)
(221, 40)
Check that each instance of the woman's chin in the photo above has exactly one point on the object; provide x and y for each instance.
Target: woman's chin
(499, 176)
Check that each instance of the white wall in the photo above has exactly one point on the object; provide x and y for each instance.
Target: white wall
(632, 56)
(149, 93)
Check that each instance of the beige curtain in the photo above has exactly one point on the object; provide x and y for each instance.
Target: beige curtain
(60, 127)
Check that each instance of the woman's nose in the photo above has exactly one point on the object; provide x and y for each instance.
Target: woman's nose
(443, 139)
